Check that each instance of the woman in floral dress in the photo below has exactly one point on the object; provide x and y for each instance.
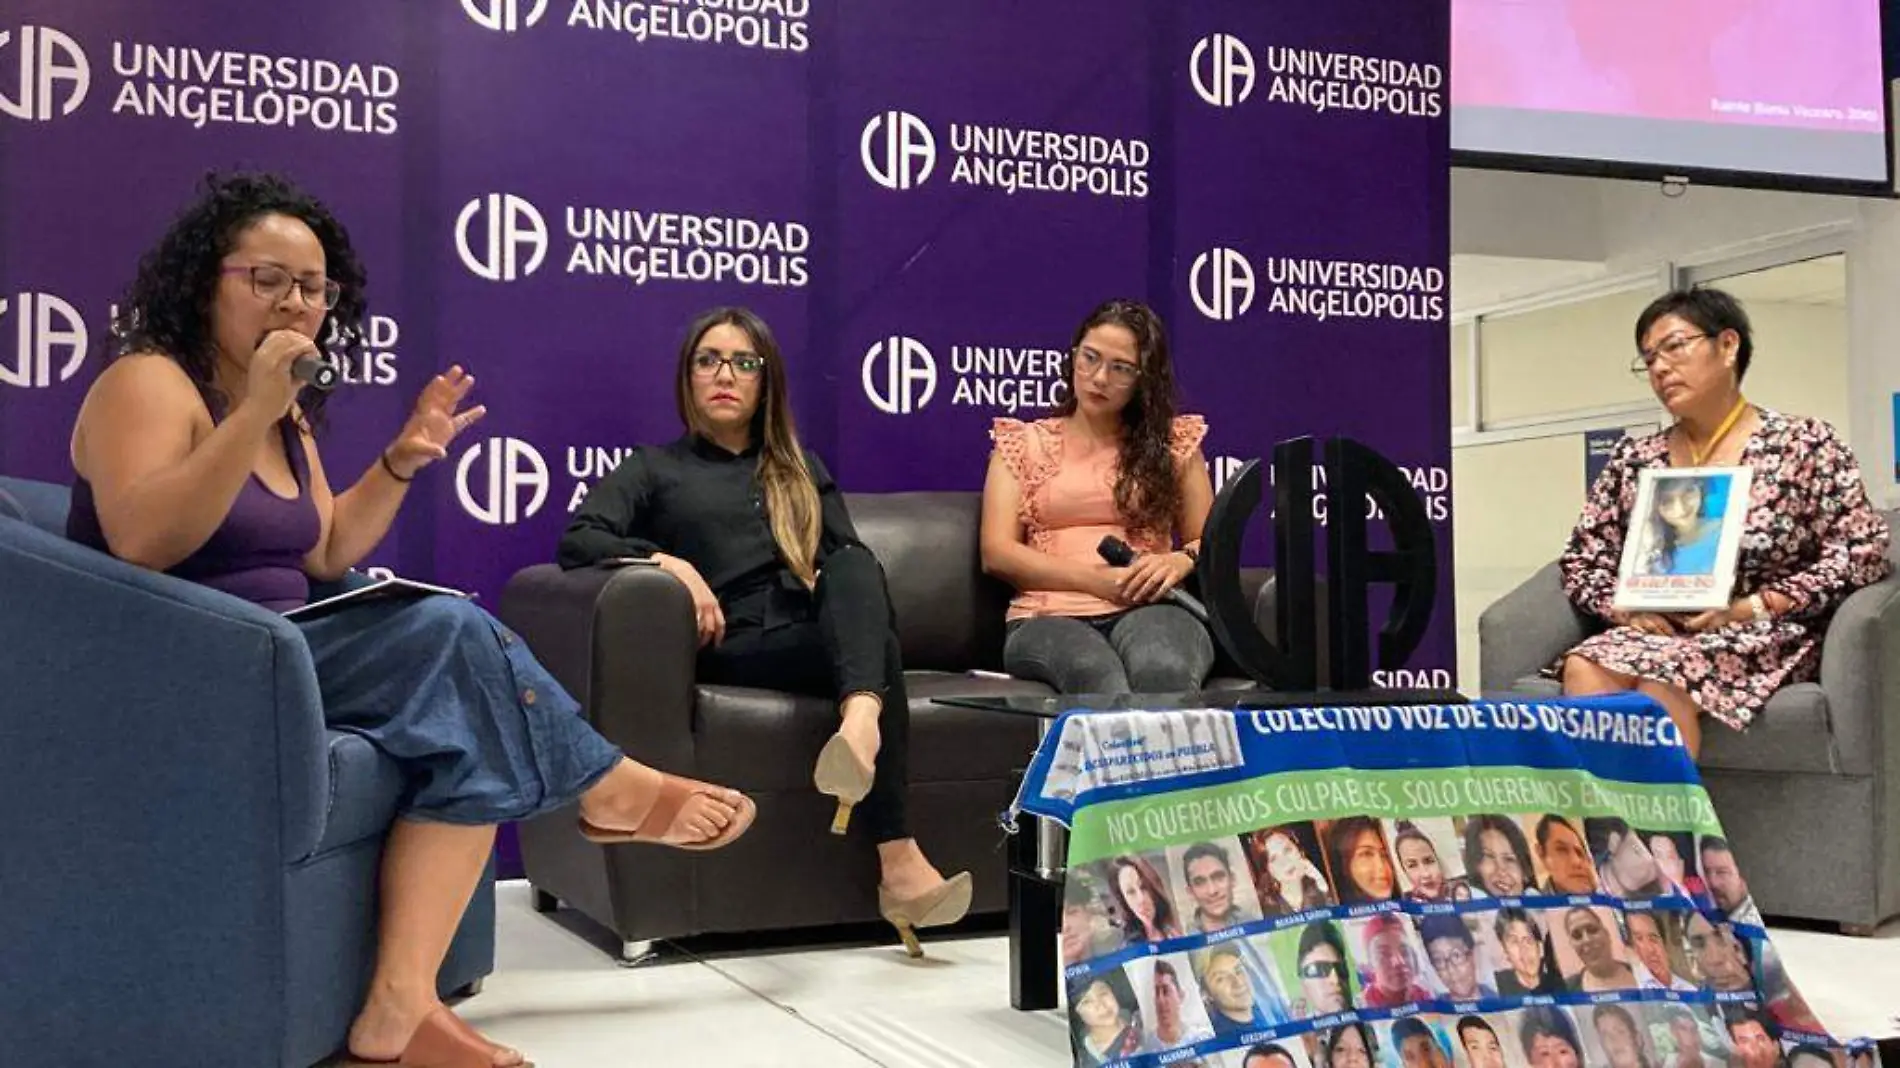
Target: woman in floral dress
(1811, 536)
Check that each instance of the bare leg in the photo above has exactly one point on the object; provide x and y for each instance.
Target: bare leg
(624, 796)
(906, 872)
(429, 872)
(1584, 678)
(1681, 708)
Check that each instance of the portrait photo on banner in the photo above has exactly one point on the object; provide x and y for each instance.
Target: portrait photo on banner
(1658, 940)
(1587, 941)
(1431, 862)
(1090, 928)
(1487, 1041)
(1389, 960)
(1215, 888)
(1172, 1007)
(1497, 854)
(1415, 1042)
(1685, 534)
(1724, 957)
(1288, 866)
(1627, 863)
(1360, 860)
(1140, 897)
(1685, 1033)
(1243, 995)
(1316, 968)
(1523, 940)
(1461, 956)
(1562, 855)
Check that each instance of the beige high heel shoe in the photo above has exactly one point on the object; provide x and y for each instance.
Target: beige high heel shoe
(839, 774)
(939, 906)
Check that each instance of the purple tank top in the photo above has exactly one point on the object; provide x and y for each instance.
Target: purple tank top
(256, 553)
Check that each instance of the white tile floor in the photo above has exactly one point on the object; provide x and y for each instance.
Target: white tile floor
(557, 995)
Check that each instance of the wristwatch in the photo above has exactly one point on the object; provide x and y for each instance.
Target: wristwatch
(1759, 607)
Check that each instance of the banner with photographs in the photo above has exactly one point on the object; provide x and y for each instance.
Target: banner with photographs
(1485, 885)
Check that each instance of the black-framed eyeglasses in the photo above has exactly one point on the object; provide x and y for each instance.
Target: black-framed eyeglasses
(1672, 349)
(272, 283)
(744, 365)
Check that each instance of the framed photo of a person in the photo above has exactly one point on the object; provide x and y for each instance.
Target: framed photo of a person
(1685, 533)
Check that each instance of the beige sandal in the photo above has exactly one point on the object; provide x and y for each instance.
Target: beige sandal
(674, 793)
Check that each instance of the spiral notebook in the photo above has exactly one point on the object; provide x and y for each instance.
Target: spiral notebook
(385, 587)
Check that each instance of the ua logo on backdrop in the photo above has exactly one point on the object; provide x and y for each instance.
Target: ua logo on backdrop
(1222, 468)
(49, 62)
(513, 468)
(900, 375)
(898, 149)
(1222, 69)
(508, 222)
(44, 352)
(505, 15)
(1222, 284)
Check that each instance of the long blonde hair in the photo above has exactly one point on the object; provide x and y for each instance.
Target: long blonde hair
(791, 494)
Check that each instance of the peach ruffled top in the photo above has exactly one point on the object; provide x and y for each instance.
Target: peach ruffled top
(1068, 505)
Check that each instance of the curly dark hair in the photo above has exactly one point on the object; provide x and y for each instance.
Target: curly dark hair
(167, 309)
(1147, 494)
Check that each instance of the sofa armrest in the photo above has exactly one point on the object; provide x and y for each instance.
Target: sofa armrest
(163, 747)
(624, 643)
(1527, 629)
(1860, 673)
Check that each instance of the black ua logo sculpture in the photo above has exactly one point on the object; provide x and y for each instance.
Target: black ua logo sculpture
(1353, 473)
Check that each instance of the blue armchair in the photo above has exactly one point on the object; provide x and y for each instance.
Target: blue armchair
(188, 865)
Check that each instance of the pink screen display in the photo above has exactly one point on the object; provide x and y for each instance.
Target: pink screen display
(1811, 64)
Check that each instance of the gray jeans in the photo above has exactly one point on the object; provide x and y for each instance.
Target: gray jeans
(1157, 648)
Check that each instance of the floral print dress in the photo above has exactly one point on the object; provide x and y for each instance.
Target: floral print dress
(1811, 535)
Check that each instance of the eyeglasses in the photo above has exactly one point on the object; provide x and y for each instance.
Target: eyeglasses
(1121, 372)
(1451, 958)
(273, 283)
(1672, 349)
(1321, 969)
(744, 365)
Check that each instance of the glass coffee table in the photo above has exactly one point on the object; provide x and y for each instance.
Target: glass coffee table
(1038, 851)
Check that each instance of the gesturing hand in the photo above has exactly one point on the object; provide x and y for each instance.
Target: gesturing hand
(435, 422)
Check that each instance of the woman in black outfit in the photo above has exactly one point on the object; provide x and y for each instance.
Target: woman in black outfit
(785, 595)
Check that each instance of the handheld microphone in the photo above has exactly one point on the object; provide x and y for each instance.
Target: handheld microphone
(318, 374)
(1118, 554)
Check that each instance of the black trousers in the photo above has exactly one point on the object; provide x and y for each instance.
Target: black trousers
(841, 640)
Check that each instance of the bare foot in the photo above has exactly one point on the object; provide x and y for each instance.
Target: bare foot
(860, 729)
(906, 871)
(621, 801)
(383, 1029)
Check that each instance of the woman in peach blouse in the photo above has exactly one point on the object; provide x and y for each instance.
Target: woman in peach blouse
(1113, 459)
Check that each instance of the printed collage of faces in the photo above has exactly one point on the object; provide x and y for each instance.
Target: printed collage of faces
(1636, 1035)
(1244, 983)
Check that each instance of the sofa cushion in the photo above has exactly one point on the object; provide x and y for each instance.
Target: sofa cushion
(365, 788)
(765, 740)
(949, 613)
(1792, 734)
(42, 504)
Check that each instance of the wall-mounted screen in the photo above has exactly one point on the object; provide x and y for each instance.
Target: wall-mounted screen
(1787, 92)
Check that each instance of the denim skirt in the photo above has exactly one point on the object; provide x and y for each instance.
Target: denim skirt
(482, 733)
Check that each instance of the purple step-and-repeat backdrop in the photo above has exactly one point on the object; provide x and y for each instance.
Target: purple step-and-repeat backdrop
(922, 197)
